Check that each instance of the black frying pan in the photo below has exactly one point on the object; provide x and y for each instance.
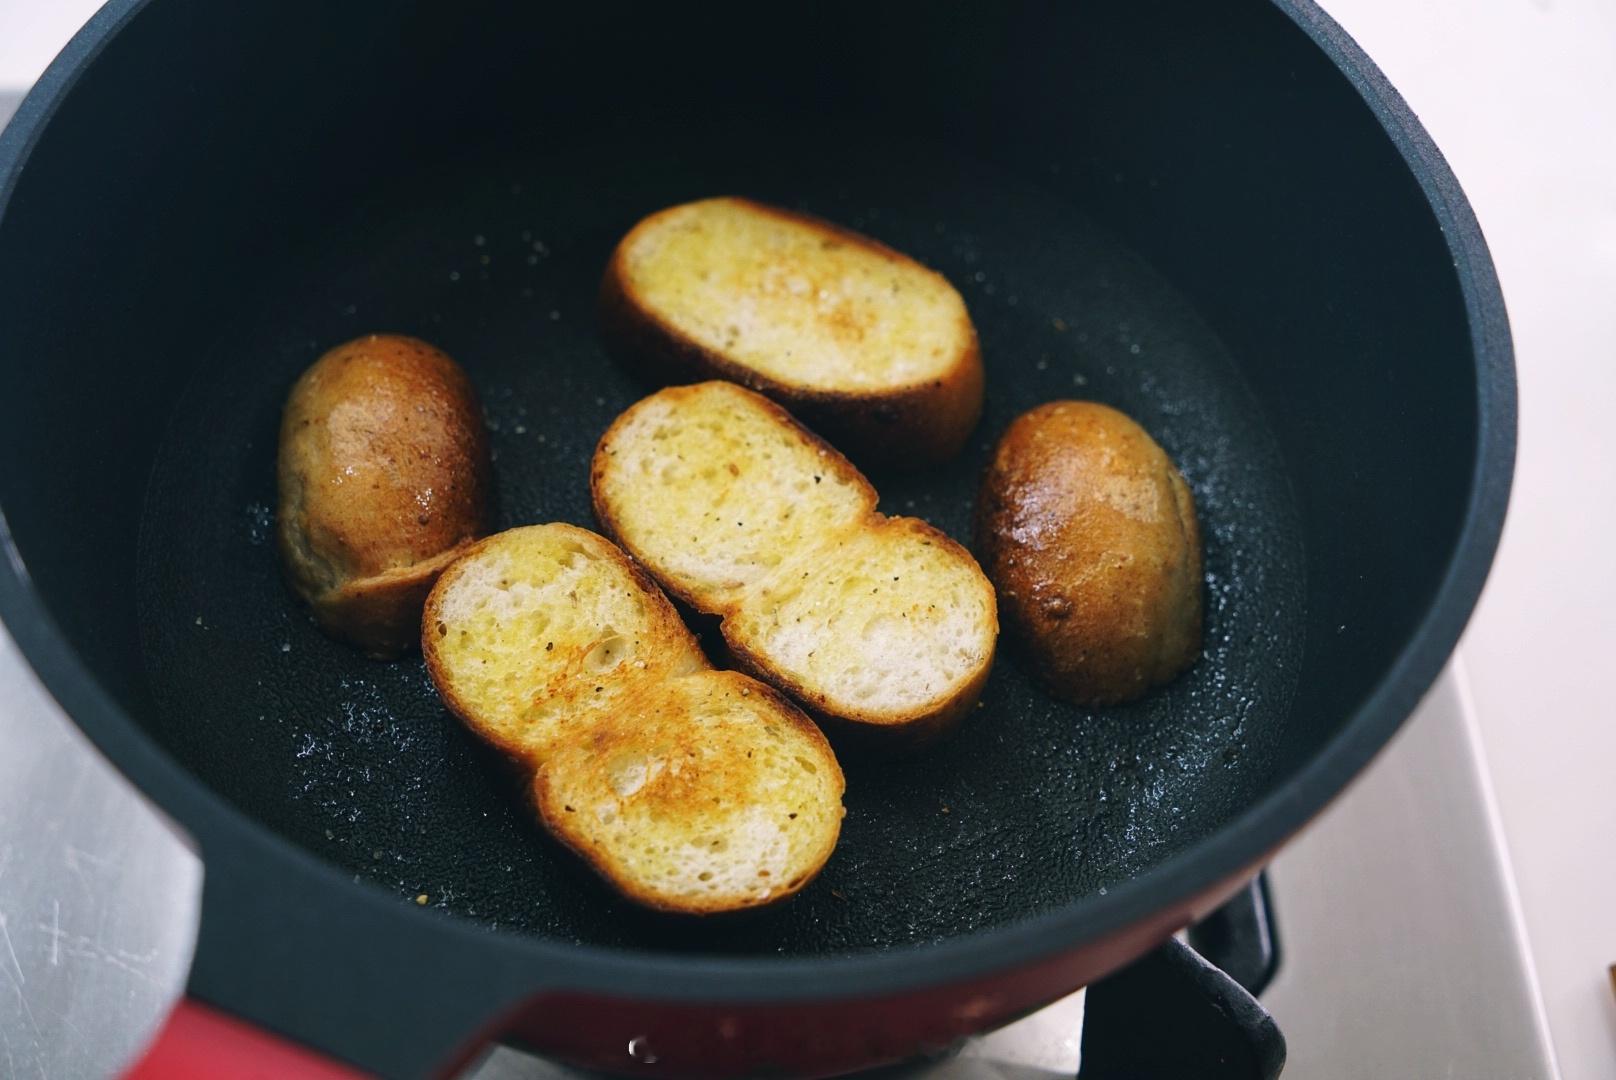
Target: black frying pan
(1216, 218)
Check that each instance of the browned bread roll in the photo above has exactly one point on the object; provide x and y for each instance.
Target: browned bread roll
(383, 478)
(1088, 532)
(866, 346)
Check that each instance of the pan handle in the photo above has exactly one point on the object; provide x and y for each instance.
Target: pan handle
(1191, 1009)
(1172, 1013)
(199, 1043)
(1240, 939)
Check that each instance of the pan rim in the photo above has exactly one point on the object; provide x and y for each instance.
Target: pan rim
(1241, 843)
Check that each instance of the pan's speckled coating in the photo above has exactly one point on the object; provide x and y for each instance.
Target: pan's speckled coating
(1032, 804)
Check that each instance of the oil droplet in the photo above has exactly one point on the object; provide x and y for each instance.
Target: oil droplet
(639, 1048)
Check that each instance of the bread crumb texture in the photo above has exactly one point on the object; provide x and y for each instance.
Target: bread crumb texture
(740, 511)
(705, 792)
(798, 300)
(688, 789)
(885, 617)
(721, 490)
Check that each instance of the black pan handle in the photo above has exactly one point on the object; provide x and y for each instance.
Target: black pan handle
(1240, 938)
(1173, 1013)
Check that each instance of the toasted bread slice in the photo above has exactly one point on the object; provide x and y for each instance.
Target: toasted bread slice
(550, 644)
(884, 625)
(718, 488)
(864, 343)
(714, 793)
(535, 631)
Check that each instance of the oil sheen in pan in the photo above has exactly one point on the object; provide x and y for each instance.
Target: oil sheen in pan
(1033, 804)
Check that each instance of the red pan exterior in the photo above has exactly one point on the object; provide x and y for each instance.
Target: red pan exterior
(831, 1037)
(704, 1040)
(199, 1043)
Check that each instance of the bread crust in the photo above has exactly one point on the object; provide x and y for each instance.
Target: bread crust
(665, 621)
(383, 475)
(904, 426)
(870, 731)
(1089, 534)
(606, 515)
(651, 697)
(594, 854)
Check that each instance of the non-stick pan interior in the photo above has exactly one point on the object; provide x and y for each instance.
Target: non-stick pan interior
(1033, 804)
(1189, 217)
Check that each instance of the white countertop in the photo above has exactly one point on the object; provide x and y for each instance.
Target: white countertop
(1521, 97)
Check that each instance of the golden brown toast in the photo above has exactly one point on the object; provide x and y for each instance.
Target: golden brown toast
(550, 644)
(710, 794)
(863, 343)
(884, 626)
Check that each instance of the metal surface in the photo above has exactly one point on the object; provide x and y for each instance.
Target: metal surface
(1404, 950)
(98, 896)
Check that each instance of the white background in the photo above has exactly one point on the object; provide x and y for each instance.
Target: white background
(1521, 97)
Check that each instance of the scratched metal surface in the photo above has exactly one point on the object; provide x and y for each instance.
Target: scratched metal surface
(98, 897)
